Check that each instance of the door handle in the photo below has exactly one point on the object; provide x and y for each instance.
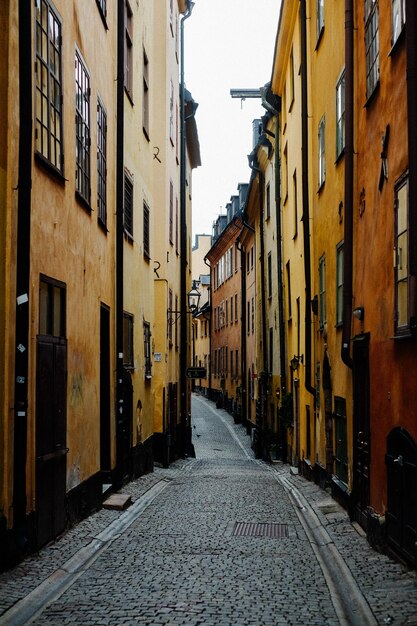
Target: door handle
(399, 460)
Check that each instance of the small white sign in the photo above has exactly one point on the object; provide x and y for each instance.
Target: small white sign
(158, 357)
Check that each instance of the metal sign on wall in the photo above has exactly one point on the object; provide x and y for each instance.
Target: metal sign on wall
(196, 372)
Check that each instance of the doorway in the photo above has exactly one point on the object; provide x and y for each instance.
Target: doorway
(51, 412)
(401, 515)
(361, 428)
(105, 428)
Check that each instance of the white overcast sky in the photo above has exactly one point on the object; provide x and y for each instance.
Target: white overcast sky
(228, 44)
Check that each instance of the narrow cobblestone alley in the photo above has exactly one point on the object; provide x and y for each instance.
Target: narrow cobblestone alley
(180, 555)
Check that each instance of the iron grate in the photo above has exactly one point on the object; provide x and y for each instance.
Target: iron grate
(271, 530)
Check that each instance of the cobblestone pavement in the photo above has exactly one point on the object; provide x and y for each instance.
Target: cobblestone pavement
(177, 560)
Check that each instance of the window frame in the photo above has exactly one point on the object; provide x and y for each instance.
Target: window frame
(128, 334)
(395, 33)
(101, 163)
(401, 329)
(147, 355)
(340, 114)
(322, 292)
(145, 96)
(146, 231)
(82, 130)
(321, 172)
(371, 46)
(47, 329)
(54, 82)
(128, 186)
(128, 69)
(340, 259)
(319, 20)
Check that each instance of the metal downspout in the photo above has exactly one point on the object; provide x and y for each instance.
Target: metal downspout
(411, 47)
(348, 195)
(210, 334)
(119, 232)
(243, 375)
(23, 263)
(185, 433)
(305, 193)
(281, 320)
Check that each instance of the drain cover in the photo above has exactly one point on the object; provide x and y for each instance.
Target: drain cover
(260, 529)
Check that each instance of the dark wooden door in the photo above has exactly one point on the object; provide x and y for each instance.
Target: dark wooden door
(361, 428)
(124, 428)
(105, 432)
(51, 450)
(401, 516)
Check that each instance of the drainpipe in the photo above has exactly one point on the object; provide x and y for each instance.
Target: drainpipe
(281, 318)
(305, 193)
(264, 382)
(411, 47)
(185, 443)
(119, 233)
(23, 264)
(243, 372)
(348, 199)
(210, 341)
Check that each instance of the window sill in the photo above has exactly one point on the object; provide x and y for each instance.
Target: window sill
(397, 43)
(340, 156)
(103, 17)
(372, 96)
(129, 96)
(102, 226)
(319, 38)
(321, 186)
(404, 336)
(83, 202)
(128, 236)
(146, 133)
(49, 168)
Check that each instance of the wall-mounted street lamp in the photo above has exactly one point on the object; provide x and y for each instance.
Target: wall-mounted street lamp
(193, 301)
(359, 313)
(295, 362)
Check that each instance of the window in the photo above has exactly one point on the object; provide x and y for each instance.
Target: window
(339, 283)
(271, 350)
(253, 315)
(147, 349)
(322, 155)
(340, 115)
(176, 226)
(288, 269)
(291, 79)
(102, 5)
(51, 307)
(251, 258)
(236, 265)
(171, 212)
(145, 102)
(236, 312)
(48, 104)
(128, 78)
(237, 364)
(128, 340)
(398, 18)
(401, 258)
(322, 292)
(341, 456)
(268, 201)
(319, 18)
(231, 310)
(82, 126)
(171, 112)
(295, 200)
(371, 45)
(171, 320)
(285, 175)
(227, 312)
(101, 163)
(248, 317)
(128, 206)
(171, 16)
(269, 275)
(146, 232)
(232, 364)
